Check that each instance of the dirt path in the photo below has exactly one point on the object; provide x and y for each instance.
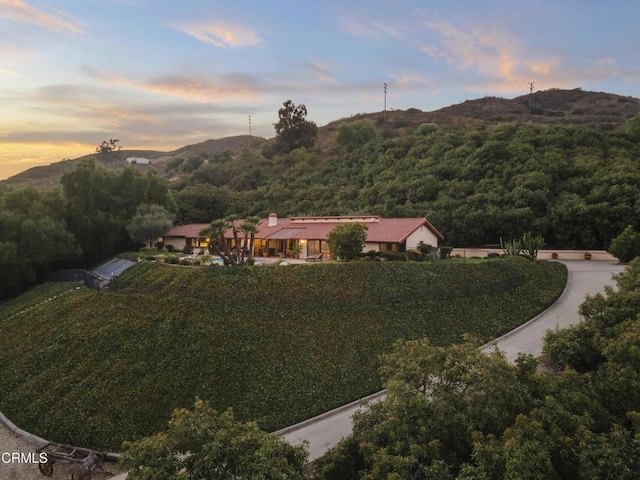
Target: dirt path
(10, 443)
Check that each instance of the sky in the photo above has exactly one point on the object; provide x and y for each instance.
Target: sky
(162, 74)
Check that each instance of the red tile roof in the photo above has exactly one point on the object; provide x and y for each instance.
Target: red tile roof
(392, 230)
(191, 230)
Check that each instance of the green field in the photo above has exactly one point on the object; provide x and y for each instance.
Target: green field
(278, 344)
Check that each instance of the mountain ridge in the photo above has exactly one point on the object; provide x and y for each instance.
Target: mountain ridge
(601, 110)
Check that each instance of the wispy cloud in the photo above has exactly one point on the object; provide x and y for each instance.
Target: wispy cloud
(221, 34)
(320, 70)
(489, 52)
(372, 29)
(236, 87)
(21, 12)
(218, 89)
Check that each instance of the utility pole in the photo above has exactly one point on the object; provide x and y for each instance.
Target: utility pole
(384, 115)
(530, 95)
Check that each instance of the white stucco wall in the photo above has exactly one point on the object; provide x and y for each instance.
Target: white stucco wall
(423, 234)
(371, 246)
(178, 243)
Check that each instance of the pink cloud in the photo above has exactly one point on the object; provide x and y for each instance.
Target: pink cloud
(222, 34)
(20, 12)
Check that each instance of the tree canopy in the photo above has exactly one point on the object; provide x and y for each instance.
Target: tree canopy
(106, 151)
(100, 203)
(577, 187)
(346, 241)
(293, 130)
(34, 238)
(149, 222)
(202, 443)
(626, 246)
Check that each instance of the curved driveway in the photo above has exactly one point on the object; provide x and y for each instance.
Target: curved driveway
(585, 278)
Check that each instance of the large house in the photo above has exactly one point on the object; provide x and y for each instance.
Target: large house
(279, 236)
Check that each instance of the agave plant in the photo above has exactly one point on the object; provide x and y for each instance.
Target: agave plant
(531, 245)
(511, 247)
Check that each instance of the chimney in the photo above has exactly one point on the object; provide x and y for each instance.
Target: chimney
(273, 219)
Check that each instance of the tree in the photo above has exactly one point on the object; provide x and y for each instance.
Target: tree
(347, 241)
(201, 202)
(241, 251)
(106, 150)
(632, 128)
(99, 204)
(202, 443)
(149, 222)
(626, 246)
(34, 238)
(293, 130)
(355, 134)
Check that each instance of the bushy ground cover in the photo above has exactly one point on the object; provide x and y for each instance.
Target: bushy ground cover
(278, 344)
(36, 296)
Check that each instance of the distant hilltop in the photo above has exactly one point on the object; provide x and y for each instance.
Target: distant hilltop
(604, 111)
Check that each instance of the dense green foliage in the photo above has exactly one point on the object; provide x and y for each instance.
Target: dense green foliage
(278, 344)
(626, 246)
(34, 239)
(293, 130)
(149, 223)
(456, 413)
(99, 203)
(347, 241)
(202, 443)
(575, 186)
(84, 223)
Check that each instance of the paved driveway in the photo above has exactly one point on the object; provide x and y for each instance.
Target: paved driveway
(585, 278)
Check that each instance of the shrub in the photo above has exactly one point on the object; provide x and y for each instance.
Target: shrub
(131, 256)
(346, 241)
(414, 255)
(391, 255)
(188, 250)
(169, 248)
(445, 252)
(626, 246)
(426, 128)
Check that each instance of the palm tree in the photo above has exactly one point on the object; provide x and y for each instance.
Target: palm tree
(242, 251)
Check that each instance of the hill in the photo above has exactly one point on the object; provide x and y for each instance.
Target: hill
(604, 111)
(48, 176)
(278, 344)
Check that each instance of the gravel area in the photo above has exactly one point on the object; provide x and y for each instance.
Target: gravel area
(11, 443)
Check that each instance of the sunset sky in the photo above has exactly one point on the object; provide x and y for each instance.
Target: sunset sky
(163, 74)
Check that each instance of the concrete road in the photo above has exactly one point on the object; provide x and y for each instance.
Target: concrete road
(585, 278)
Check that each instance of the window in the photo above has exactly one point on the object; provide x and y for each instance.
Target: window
(314, 247)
